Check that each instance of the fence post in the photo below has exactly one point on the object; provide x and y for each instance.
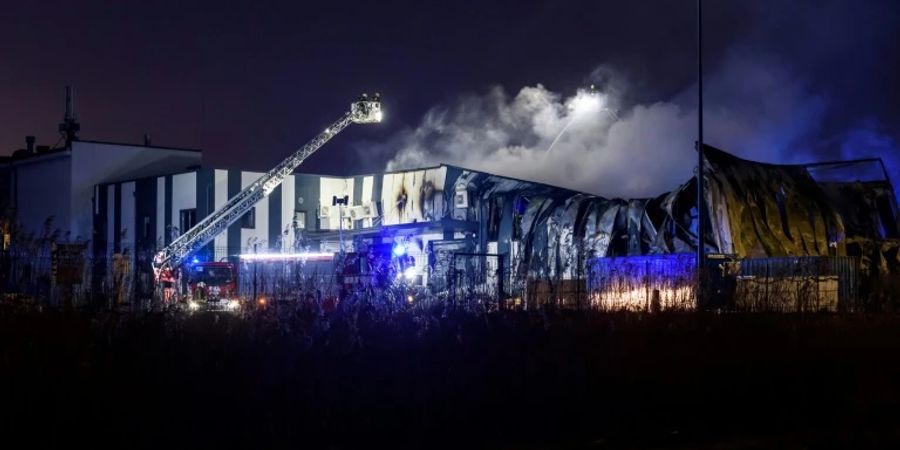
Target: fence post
(647, 284)
(766, 291)
(501, 297)
(818, 277)
(451, 281)
(255, 263)
(590, 282)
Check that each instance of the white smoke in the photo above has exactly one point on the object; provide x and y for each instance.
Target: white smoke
(755, 108)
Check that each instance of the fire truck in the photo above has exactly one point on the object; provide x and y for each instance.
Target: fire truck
(212, 286)
(170, 261)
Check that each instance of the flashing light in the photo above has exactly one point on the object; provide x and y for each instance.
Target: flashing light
(409, 273)
(409, 299)
(587, 101)
(398, 250)
(234, 304)
(195, 260)
(318, 256)
(193, 305)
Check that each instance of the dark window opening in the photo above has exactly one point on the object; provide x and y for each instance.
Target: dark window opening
(493, 225)
(886, 214)
(517, 227)
(187, 219)
(248, 220)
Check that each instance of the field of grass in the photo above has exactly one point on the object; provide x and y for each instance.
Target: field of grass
(360, 378)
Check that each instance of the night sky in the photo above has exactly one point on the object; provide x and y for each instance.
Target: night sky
(250, 83)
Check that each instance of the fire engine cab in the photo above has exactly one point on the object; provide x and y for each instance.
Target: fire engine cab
(212, 285)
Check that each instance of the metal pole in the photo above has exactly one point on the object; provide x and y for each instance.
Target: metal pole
(255, 264)
(341, 226)
(701, 229)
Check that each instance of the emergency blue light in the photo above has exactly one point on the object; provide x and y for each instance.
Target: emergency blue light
(399, 250)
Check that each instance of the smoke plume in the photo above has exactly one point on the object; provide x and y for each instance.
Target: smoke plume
(755, 106)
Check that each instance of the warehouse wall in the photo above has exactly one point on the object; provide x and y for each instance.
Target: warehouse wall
(159, 201)
(93, 163)
(259, 234)
(40, 190)
(220, 193)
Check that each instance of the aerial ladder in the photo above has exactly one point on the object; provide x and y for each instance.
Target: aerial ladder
(364, 110)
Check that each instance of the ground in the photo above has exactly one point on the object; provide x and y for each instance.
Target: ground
(436, 378)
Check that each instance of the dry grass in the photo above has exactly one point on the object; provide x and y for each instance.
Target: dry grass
(433, 377)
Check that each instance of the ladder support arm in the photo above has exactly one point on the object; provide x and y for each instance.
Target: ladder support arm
(364, 110)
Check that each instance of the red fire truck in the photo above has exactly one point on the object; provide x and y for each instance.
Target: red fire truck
(212, 286)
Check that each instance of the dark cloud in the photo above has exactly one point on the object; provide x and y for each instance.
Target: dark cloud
(794, 102)
(249, 82)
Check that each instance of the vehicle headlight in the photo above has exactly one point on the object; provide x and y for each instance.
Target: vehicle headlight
(234, 304)
(193, 305)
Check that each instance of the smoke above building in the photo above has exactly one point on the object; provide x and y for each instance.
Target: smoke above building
(757, 108)
(793, 99)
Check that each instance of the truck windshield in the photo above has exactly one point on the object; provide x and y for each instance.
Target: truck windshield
(211, 275)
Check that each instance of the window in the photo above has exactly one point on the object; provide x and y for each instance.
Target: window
(187, 220)
(493, 225)
(300, 220)
(145, 234)
(210, 275)
(517, 227)
(249, 219)
(885, 203)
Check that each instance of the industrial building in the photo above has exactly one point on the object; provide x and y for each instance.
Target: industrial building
(301, 212)
(530, 239)
(140, 197)
(70, 174)
(534, 231)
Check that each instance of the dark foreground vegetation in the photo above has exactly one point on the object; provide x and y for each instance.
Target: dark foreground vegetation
(427, 379)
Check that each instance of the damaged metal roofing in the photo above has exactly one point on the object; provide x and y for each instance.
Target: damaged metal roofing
(754, 210)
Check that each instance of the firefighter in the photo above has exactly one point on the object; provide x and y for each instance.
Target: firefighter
(167, 281)
(121, 265)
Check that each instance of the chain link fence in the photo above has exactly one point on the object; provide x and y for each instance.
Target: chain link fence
(797, 284)
(56, 276)
(668, 282)
(82, 282)
(478, 281)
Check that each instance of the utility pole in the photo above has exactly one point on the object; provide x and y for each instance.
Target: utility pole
(69, 127)
(701, 228)
(340, 202)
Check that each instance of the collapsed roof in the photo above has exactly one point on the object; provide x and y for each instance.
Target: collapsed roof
(754, 210)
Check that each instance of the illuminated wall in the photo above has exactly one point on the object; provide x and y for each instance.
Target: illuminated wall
(93, 163)
(329, 215)
(259, 233)
(220, 189)
(413, 196)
